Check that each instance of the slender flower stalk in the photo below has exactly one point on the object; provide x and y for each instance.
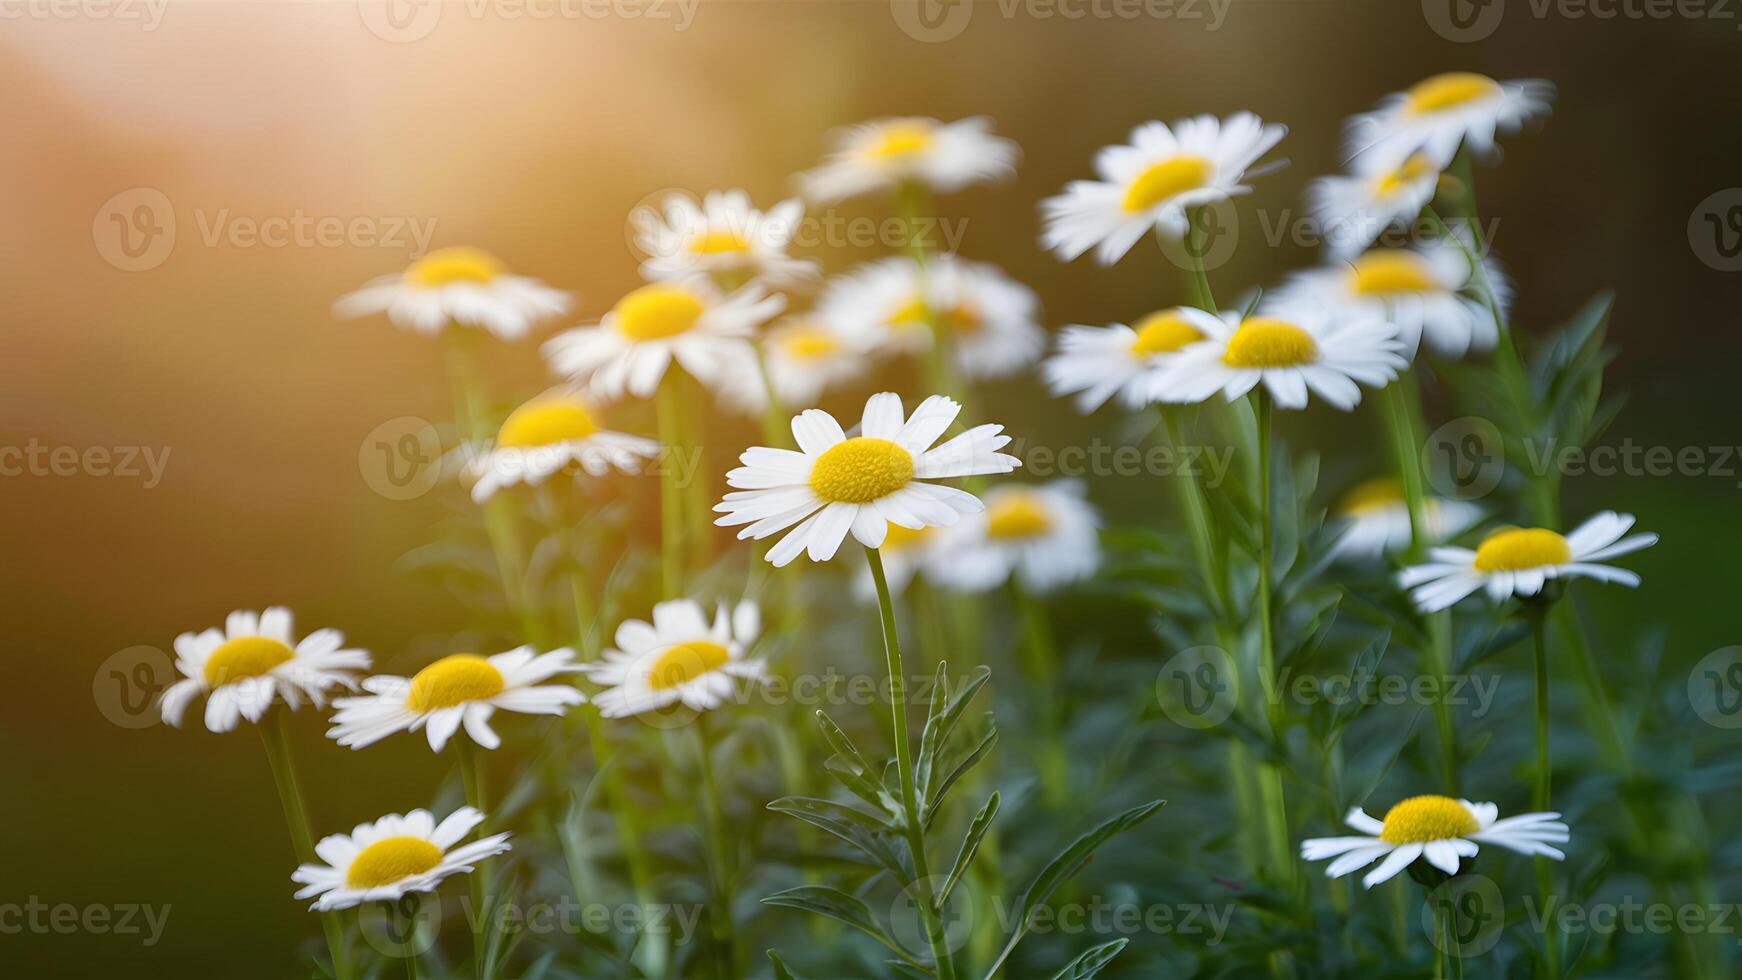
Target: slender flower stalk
(473, 781)
(720, 850)
(301, 837)
(670, 494)
(1270, 776)
(1043, 666)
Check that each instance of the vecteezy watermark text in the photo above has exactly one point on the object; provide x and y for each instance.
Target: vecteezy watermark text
(39, 459)
(37, 917)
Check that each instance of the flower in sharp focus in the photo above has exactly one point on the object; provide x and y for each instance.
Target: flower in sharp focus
(1151, 182)
(834, 484)
(555, 432)
(1423, 291)
(1291, 352)
(1439, 828)
(394, 857)
(724, 234)
(1374, 519)
(680, 656)
(1521, 560)
(1097, 363)
(254, 660)
(708, 333)
(805, 358)
(993, 322)
(459, 688)
(883, 154)
(1441, 113)
(465, 286)
(1353, 211)
(1046, 535)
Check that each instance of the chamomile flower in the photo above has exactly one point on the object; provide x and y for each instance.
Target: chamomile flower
(708, 333)
(834, 484)
(1521, 560)
(459, 688)
(1423, 291)
(254, 660)
(804, 358)
(1045, 535)
(724, 234)
(679, 657)
(1153, 181)
(880, 155)
(464, 286)
(555, 432)
(892, 305)
(1353, 211)
(1374, 519)
(394, 857)
(1441, 113)
(905, 552)
(1290, 352)
(1439, 828)
(1098, 363)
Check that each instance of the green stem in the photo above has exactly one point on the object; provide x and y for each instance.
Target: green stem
(670, 494)
(1270, 788)
(296, 818)
(1206, 299)
(1042, 657)
(1440, 935)
(1538, 617)
(411, 932)
(478, 879)
(725, 939)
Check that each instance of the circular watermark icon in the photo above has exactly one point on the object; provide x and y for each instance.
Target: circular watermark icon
(1212, 229)
(1465, 915)
(1715, 688)
(400, 21)
(407, 926)
(1465, 458)
(955, 915)
(126, 687)
(1463, 21)
(401, 458)
(134, 231)
(1715, 229)
(932, 21)
(1198, 687)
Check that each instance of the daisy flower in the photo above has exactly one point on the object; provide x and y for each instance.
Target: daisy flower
(466, 286)
(880, 155)
(393, 857)
(724, 234)
(1438, 115)
(677, 657)
(1045, 535)
(251, 662)
(890, 305)
(555, 432)
(1439, 828)
(461, 687)
(1521, 560)
(1152, 182)
(804, 358)
(707, 332)
(1375, 519)
(1353, 211)
(1290, 352)
(1097, 363)
(1421, 291)
(834, 484)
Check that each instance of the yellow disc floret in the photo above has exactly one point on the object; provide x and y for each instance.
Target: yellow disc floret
(1166, 180)
(1449, 91)
(1515, 549)
(963, 317)
(1018, 515)
(1421, 819)
(900, 538)
(1418, 166)
(452, 681)
(389, 860)
(901, 140)
(446, 266)
(1383, 272)
(244, 657)
(719, 243)
(807, 342)
(1372, 495)
(861, 470)
(1266, 342)
(685, 662)
(1163, 333)
(546, 421)
(657, 311)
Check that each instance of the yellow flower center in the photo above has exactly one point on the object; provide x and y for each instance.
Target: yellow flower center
(1266, 342)
(809, 343)
(963, 317)
(389, 860)
(546, 421)
(861, 470)
(1449, 91)
(1167, 179)
(657, 311)
(1413, 169)
(1372, 495)
(902, 538)
(719, 243)
(452, 681)
(1389, 271)
(446, 266)
(1015, 516)
(1163, 333)
(1420, 819)
(1517, 548)
(901, 140)
(684, 663)
(244, 657)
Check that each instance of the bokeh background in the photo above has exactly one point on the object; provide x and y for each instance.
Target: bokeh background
(533, 138)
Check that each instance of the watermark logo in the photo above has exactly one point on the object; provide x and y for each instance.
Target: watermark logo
(1213, 231)
(1465, 458)
(1463, 21)
(1715, 688)
(932, 21)
(1715, 230)
(134, 231)
(955, 916)
(1198, 687)
(1465, 915)
(400, 21)
(406, 926)
(401, 458)
(126, 687)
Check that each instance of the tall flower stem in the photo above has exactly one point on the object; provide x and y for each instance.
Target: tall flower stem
(1194, 249)
(296, 818)
(670, 494)
(1538, 617)
(479, 878)
(1270, 775)
(915, 832)
(1042, 656)
(725, 937)
(408, 916)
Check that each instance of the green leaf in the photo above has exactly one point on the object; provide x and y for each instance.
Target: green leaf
(858, 828)
(852, 771)
(781, 970)
(933, 804)
(970, 844)
(835, 904)
(941, 723)
(1091, 962)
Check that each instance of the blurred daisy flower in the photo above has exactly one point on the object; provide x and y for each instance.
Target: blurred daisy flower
(1420, 291)
(1151, 183)
(723, 235)
(679, 657)
(1439, 828)
(459, 688)
(890, 305)
(555, 432)
(906, 552)
(707, 332)
(881, 155)
(393, 857)
(1521, 560)
(1438, 115)
(1047, 536)
(805, 358)
(1353, 211)
(465, 286)
(253, 661)
(834, 484)
(1290, 352)
(1374, 519)
(1097, 363)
